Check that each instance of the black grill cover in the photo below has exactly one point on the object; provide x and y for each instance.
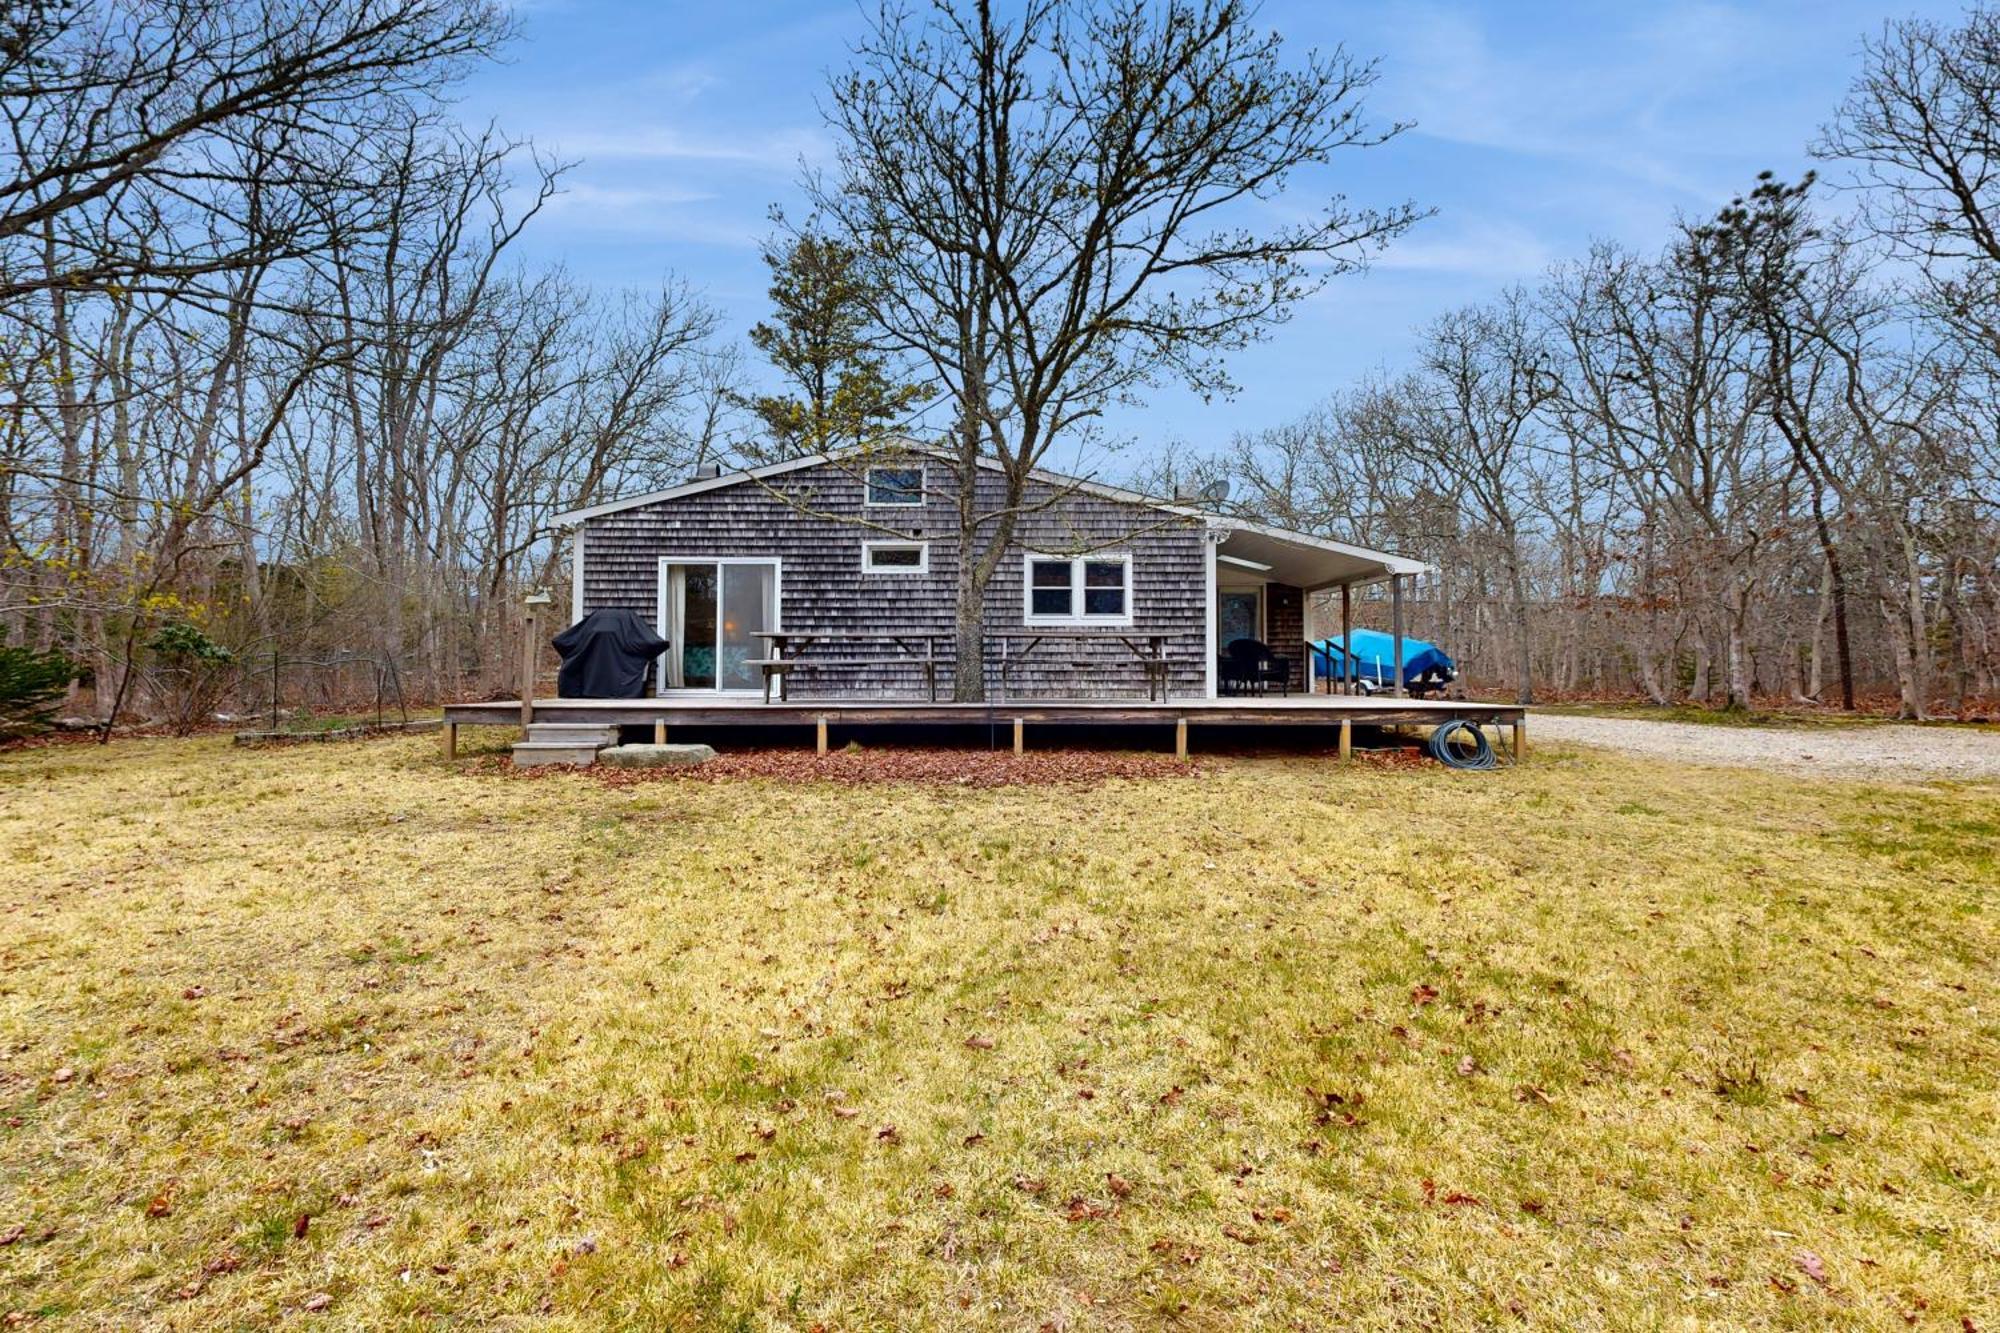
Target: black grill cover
(606, 655)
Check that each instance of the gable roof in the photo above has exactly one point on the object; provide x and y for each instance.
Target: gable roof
(1223, 523)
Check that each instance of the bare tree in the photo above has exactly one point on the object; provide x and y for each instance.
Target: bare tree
(1053, 215)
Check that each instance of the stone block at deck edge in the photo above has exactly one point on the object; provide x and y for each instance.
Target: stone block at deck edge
(655, 756)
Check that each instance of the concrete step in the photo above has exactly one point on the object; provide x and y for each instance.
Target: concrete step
(529, 754)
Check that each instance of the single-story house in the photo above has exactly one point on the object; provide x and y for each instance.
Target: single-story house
(838, 552)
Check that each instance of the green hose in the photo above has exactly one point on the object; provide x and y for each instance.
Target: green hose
(1460, 744)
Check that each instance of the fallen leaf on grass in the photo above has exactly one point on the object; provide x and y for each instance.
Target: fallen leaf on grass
(1811, 1265)
(1467, 1066)
(12, 1236)
(1423, 993)
(319, 1300)
(1120, 1187)
(300, 1226)
(160, 1206)
(979, 1043)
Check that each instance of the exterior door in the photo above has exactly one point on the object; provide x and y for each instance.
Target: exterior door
(711, 612)
(1237, 616)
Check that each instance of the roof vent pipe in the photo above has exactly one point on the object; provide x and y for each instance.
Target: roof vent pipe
(706, 472)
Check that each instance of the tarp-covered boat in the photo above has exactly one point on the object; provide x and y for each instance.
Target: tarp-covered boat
(1372, 659)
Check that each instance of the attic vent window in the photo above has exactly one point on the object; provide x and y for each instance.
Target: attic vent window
(895, 485)
(895, 557)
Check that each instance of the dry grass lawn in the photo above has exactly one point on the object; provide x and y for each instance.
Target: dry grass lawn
(341, 1037)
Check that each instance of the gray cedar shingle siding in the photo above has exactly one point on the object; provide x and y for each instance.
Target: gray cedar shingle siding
(1285, 627)
(822, 586)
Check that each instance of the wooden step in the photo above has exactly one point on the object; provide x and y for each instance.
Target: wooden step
(531, 754)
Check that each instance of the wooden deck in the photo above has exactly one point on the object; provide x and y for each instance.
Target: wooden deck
(1298, 710)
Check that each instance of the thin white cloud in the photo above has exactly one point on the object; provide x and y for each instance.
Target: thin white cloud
(1488, 249)
(766, 150)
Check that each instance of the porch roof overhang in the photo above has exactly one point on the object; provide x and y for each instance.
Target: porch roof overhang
(1307, 562)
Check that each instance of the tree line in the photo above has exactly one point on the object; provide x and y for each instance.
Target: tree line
(274, 382)
(271, 383)
(1760, 462)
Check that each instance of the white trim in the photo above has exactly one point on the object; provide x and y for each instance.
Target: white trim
(1077, 616)
(573, 516)
(660, 617)
(923, 565)
(923, 485)
(576, 576)
(1210, 540)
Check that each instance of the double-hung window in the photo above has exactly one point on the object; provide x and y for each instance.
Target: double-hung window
(1078, 590)
(893, 485)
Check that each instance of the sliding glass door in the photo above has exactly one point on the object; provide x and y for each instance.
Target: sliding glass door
(711, 612)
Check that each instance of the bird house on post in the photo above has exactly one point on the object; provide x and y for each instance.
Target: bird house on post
(534, 601)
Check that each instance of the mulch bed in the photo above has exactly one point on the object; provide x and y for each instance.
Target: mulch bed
(924, 767)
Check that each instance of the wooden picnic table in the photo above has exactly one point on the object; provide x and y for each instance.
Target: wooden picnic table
(1149, 648)
(788, 647)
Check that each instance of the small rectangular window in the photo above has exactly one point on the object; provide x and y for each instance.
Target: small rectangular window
(895, 485)
(895, 557)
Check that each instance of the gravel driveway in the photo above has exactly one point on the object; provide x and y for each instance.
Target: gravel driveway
(1886, 750)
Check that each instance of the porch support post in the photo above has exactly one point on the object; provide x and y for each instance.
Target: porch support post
(1346, 739)
(1180, 738)
(449, 731)
(1396, 627)
(1346, 637)
(659, 731)
(819, 736)
(1020, 736)
(1520, 738)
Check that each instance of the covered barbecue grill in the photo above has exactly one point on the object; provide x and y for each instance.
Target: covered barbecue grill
(607, 655)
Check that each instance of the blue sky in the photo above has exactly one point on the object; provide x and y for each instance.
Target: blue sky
(1537, 128)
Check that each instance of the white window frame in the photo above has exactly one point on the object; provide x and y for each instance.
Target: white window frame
(667, 691)
(870, 568)
(1076, 614)
(868, 500)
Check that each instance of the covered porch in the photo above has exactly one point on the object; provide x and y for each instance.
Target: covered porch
(1260, 582)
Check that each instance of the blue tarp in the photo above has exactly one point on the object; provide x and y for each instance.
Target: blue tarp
(1373, 656)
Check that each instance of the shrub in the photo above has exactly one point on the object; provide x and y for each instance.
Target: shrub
(190, 675)
(30, 684)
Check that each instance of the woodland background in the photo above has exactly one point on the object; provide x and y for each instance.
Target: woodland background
(277, 403)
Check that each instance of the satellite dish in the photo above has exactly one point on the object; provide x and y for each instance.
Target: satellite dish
(1216, 491)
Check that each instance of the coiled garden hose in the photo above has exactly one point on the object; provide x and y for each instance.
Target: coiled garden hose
(1461, 744)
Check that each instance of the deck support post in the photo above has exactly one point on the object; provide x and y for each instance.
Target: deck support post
(1346, 739)
(819, 736)
(1020, 735)
(449, 733)
(1520, 738)
(659, 731)
(1180, 738)
(1396, 626)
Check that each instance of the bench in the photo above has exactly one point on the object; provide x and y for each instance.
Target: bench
(776, 668)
